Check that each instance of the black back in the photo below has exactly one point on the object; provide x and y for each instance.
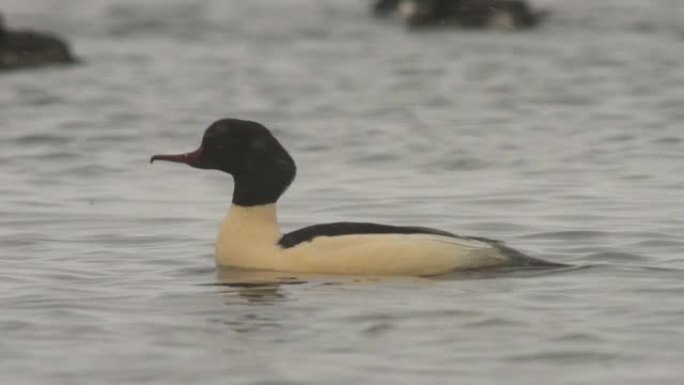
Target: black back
(307, 234)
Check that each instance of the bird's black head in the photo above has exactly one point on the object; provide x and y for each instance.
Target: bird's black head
(259, 164)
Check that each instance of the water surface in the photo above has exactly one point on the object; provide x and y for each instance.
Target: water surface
(566, 142)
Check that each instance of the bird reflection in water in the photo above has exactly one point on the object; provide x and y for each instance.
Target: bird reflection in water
(256, 285)
(266, 286)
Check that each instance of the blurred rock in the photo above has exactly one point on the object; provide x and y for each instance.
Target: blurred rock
(469, 14)
(23, 49)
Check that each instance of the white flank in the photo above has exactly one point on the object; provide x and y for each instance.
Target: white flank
(248, 239)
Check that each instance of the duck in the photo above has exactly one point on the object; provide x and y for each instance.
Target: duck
(24, 49)
(250, 237)
(470, 14)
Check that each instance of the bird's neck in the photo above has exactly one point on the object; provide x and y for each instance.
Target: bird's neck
(264, 215)
(258, 222)
(260, 189)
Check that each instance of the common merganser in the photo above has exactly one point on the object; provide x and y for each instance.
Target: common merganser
(250, 236)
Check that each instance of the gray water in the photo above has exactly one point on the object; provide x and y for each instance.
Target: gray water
(566, 142)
